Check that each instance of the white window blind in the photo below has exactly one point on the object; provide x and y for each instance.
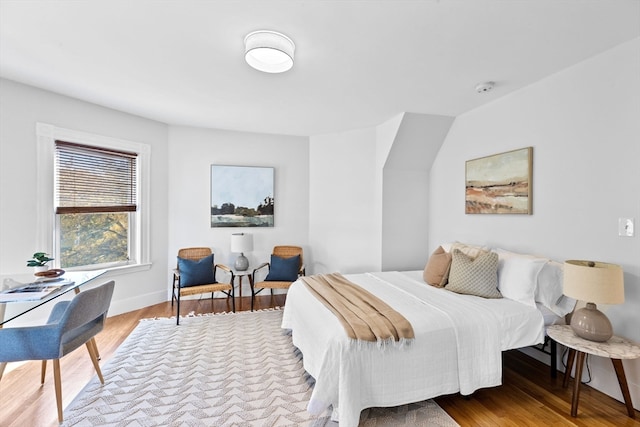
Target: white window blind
(92, 179)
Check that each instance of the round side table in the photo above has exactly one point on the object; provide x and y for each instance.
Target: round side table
(240, 274)
(616, 349)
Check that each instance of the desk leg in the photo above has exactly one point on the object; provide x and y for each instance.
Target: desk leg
(622, 380)
(567, 373)
(576, 383)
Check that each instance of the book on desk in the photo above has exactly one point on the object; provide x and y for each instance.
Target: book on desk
(34, 291)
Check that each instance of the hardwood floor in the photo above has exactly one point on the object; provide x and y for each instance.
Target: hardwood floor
(528, 396)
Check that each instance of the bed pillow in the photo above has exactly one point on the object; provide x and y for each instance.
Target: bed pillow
(436, 272)
(549, 289)
(283, 269)
(193, 273)
(518, 276)
(477, 277)
(470, 250)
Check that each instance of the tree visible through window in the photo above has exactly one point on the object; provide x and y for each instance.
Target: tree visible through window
(95, 204)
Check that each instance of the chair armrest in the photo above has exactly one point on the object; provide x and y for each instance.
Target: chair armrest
(225, 269)
(258, 268)
(302, 271)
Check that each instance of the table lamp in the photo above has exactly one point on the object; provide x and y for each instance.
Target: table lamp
(241, 243)
(593, 282)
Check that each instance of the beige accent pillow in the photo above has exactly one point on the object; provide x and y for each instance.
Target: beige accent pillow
(470, 250)
(477, 277)
(436, 272)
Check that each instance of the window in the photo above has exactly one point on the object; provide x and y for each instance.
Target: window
(92, 199)
(95, 195)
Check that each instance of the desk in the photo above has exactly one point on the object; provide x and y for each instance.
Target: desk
(616, 348)
(78, 278)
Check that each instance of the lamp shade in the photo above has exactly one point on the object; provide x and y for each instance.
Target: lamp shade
(241, 242)
(269, 51)
(591, 281)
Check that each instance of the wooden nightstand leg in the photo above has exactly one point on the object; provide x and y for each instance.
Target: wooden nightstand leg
(567, 374)
(622, 380)
(553, 365)
(576, 383)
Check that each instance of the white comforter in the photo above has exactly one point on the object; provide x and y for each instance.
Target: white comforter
(457, 348)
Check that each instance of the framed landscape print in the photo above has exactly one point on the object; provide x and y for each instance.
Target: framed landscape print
(241, 196)
(500, 183)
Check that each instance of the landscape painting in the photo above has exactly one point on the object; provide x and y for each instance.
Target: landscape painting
(241, 196)
(500, 183)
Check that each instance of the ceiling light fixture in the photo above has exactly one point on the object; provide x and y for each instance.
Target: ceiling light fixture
(269, 51)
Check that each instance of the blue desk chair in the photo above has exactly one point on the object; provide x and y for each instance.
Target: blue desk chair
(71, 324)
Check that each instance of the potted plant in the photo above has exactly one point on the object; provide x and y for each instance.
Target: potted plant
(39, 261)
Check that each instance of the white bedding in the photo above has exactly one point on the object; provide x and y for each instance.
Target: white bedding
(457, 348)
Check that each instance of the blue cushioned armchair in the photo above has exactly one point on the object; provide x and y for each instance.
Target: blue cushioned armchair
(195, 274)
(71, 324)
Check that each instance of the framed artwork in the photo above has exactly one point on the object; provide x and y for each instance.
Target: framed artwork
(241, 196)
(500, 183)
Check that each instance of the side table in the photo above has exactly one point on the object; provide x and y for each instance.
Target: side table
(240, 274)
(616, 349)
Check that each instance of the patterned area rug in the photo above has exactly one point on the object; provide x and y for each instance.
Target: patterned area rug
(221, 370)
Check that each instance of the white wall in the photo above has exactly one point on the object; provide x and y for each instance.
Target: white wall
(192, 151)
(584, 127)
(345, 202)
(405, 194)
(369, 194)
(20, 108)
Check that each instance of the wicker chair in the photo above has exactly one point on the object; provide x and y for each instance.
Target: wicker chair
(196, 254)
(282, 252)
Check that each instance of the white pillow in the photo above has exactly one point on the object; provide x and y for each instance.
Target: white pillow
(549, 290)
(518, 276)
(472, 251)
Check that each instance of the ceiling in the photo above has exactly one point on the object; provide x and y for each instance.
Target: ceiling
(357, 63)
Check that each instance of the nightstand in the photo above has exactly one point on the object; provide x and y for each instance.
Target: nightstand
(240, 274)
(616, 349)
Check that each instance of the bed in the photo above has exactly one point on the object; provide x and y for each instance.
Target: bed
(457, 347)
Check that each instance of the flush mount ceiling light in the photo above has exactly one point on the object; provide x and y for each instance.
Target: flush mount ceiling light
(269, 51)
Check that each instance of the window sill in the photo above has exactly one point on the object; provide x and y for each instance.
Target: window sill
(126, 269)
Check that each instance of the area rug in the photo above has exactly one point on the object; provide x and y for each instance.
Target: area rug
(220, 370)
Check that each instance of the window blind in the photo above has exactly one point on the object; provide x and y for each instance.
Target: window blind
(93, 180)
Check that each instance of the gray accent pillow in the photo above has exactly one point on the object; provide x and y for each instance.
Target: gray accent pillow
(477, 277)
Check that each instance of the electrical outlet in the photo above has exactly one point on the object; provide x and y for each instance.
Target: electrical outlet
(625, 227)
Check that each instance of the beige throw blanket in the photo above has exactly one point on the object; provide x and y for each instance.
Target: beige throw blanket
(365, 317)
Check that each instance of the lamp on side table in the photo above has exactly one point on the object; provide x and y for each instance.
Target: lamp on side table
(593, 282)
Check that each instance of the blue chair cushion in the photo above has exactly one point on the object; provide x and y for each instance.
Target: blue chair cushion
(283, 269)
(193, 273)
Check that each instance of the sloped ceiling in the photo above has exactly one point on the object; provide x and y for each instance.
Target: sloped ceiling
(357, 63)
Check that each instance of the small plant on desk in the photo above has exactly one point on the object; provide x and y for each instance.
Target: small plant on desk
(40, 259)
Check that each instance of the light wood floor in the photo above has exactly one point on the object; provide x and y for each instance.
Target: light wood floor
(528, 396)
